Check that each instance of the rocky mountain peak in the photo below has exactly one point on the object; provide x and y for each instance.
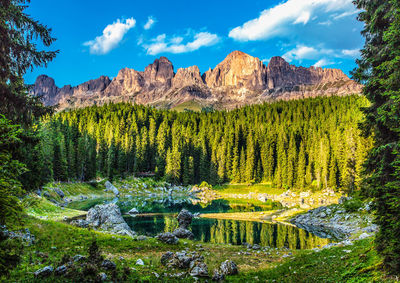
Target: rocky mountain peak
(238, 80)
(128, 81)
(238, 69)
(277, 61)
(187, 76)
(46, 87)
(98, 84)
(160, 72)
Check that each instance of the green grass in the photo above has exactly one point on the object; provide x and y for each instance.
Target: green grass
(42, 208)
(55, 239)
(76, 189)
(189, 105)
(245, 189)
(357, 263)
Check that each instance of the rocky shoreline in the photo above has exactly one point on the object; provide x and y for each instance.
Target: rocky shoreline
(336, 222)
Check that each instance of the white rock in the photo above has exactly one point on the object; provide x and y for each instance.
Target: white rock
(364, 236)
(111, 188)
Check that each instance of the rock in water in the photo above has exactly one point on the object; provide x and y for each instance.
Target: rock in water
(183, 233)
(184, 219)
(44, 272)
(228, 267)
(167, 238)
(108, 217)
(111, 188)
(133, 211)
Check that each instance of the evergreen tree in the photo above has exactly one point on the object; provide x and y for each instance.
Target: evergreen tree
(379, 70)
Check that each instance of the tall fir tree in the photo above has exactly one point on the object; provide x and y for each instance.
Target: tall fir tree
(379, 70)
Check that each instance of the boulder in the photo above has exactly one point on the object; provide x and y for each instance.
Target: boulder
(228, 267)
(141, 238)
(4, 233)
(44, 272)
(107, 217)
(181, 259)
(108, 265)
(59, 192)
(166, 257)
(364, 236)
(183, 233)
(167, 238)
(198, 269)
(47, 195)
(61, 270)
(184, 218)
(133, 211)
(218, 275)
(78, 258)
(80, 223)
(102, 277)
(111, 188)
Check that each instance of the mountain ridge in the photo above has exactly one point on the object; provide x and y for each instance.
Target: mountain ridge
(240, 79)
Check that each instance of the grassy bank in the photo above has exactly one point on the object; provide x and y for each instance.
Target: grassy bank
(54, 240)
(262, 188)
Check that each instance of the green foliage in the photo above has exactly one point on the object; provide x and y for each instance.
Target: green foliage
(18, 33)
(10, 170)
(379, 70)
(10, 255)
(352, 205)
(204, 184)
(295, 144)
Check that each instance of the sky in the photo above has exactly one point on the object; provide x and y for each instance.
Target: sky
(101, 37)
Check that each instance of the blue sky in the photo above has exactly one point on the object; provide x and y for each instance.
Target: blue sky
(101, 37)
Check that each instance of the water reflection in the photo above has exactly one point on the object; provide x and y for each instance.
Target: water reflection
(169, 205)
(232, 231)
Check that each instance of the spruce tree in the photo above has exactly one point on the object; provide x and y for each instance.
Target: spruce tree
(379, 70)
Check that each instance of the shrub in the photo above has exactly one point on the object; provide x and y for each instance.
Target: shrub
(353, 204)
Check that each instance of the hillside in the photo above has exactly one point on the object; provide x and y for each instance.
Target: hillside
(309, 143)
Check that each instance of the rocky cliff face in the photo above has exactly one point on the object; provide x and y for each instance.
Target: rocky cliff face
(239, 79)
(238, 70)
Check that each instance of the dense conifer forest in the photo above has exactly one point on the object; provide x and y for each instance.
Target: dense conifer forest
(311, 143)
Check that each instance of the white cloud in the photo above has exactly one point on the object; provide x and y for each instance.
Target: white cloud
(351, 52)
(161, 45)
(279, 19)
(323, 62)
(345, 14)
(303, 18)
(150, 22)
(111, 37)
(301, 52)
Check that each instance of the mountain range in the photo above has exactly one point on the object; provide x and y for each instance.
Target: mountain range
(240, 79)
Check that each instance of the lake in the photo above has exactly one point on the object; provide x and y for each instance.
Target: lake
(159, 215)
